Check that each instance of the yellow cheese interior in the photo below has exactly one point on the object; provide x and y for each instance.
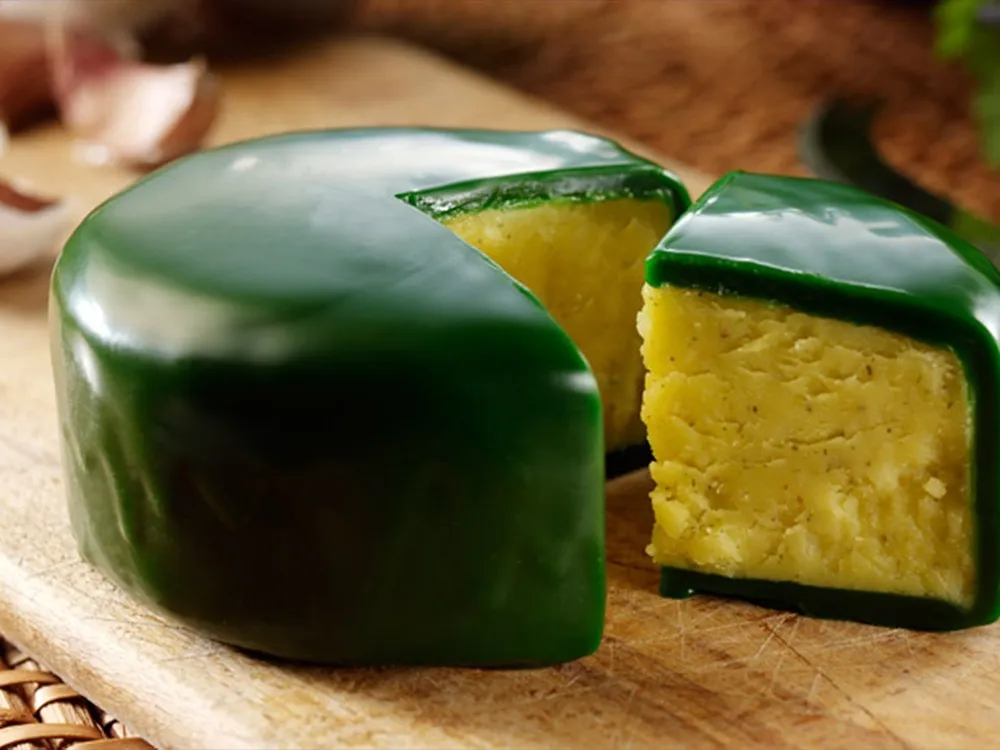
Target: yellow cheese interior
(796, 448)
(585, 263)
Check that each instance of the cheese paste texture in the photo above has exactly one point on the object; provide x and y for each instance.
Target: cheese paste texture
(799, 448)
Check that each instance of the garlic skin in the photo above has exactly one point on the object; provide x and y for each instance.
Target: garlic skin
(31, 228)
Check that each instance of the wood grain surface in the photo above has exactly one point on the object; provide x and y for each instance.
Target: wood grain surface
(701, 673)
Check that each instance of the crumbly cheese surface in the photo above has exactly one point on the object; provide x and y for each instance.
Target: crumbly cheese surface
(585, 263)
(796, 448)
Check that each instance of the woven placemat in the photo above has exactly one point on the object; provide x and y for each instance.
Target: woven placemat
(39, 712)
(718, 84)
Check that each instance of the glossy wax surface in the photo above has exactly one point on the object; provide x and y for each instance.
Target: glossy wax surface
(301, 415)
(832, 250)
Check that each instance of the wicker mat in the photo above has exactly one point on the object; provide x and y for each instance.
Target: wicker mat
(718, 84)
(38, 711)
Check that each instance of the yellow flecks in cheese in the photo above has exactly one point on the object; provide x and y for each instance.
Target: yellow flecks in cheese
(797, 448)
(585, 263)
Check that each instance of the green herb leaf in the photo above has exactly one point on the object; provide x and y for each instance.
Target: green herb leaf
(956, 21)
(961, 36)
(987, 107)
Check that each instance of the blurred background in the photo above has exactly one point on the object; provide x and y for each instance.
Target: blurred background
(725, 84)
(718, 84)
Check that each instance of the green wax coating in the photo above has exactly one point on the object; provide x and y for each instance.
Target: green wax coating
(300, 415)
(836, 251)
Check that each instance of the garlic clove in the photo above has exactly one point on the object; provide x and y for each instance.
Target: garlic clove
(129, 112)
(31, 227)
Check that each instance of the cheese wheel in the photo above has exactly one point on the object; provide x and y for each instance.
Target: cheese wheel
(303, 415)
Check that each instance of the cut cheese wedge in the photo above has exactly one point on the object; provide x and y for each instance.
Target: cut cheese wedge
(821, 400)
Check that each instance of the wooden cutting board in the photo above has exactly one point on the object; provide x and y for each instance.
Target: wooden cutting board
(693, 674)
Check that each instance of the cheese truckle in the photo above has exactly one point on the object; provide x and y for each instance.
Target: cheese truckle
(346, 396)
(822, 405)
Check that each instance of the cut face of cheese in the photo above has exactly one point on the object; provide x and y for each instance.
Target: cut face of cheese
(584, 262)
(793, 447)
